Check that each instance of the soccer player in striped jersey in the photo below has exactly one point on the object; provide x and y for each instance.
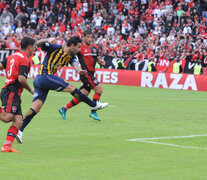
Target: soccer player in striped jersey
(57, 56)
(88, 57)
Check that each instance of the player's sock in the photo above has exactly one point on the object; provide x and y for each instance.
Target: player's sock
(96, 97)
(11, 134)
(27, 118)
(1, 109)
(82, 97)
(72, 103)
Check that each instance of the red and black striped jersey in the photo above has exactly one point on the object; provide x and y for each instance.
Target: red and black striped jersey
(16, 64)
(88, 57)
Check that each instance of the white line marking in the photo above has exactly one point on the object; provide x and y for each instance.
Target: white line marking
(175, 145)
(172, 137)
(147, 140)
(174, 99)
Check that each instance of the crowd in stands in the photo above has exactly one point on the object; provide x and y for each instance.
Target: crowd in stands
(145, 29)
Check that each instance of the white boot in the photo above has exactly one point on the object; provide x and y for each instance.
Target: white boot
(19, 137)
(99, 105)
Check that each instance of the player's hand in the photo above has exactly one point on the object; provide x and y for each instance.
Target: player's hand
(51, 40)
(102, 62)
(31, 91)
(82, 72)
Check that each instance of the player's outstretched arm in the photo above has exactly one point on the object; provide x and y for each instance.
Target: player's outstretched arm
(78, 69)
(23, 81)
(42, 41)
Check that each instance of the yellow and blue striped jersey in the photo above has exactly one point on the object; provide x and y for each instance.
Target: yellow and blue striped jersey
(55, 59)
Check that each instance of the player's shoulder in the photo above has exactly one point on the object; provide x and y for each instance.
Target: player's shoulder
(93, 45)
(20, 55)
(83, 45)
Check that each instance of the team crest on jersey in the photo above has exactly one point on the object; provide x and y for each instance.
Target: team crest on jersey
(93, 50)
(95, 81)
(14, 109)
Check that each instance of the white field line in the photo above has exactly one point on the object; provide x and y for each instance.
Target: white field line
(148, 140)
(174, 99)
(171, 137)
(175, 145)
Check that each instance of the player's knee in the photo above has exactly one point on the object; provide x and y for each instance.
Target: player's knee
(99, 90)
(70, 88)
(7, 117)
(37, 105)
(37, 108)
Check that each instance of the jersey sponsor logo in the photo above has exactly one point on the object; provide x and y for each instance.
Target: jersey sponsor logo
(14, 109)
(90, 54)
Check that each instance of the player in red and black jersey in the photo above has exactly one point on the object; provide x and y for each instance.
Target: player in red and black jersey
(17, 67)
(88, 57)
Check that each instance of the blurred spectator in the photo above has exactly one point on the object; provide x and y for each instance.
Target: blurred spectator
(98, 20)
(6, 29)
(122, 28)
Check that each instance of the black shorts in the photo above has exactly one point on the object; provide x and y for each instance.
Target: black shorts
(11, 102)
(89, 81)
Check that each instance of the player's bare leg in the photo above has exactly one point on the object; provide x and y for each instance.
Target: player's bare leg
(36, 106)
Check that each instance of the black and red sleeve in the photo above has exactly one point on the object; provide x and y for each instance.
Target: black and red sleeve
(24, 70)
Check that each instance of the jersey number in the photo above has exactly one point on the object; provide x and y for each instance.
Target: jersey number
(10, 68)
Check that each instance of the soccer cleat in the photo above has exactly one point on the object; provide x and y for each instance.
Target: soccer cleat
(19, 137)
(8, 149)
(99, 105)
(94, 115)
(62, 112)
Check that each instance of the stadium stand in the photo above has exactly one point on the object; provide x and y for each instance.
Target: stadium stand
(133, 30)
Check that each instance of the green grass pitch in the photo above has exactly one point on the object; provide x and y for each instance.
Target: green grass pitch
(81, 148)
